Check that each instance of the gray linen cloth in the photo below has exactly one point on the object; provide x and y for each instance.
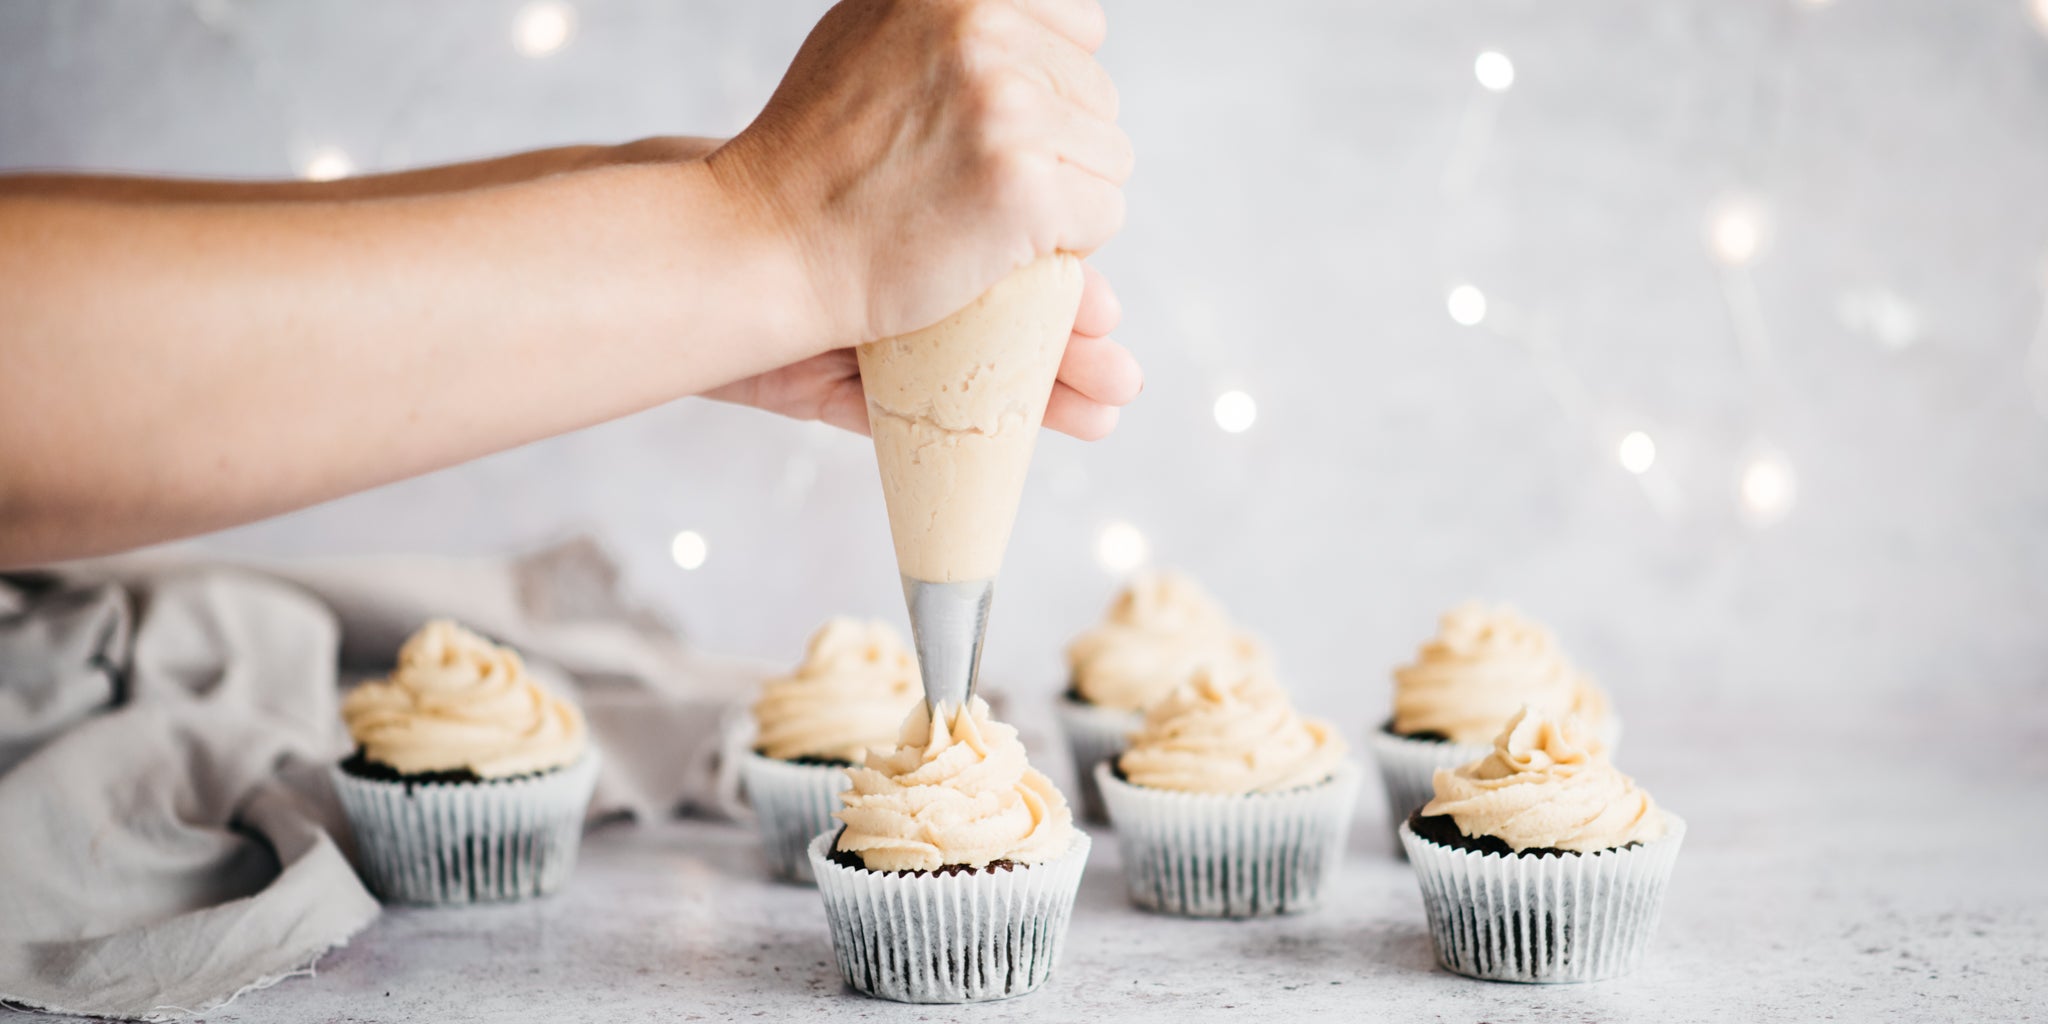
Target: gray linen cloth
(168, 840)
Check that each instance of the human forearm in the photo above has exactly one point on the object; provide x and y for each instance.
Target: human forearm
(175, 358)
(180, 368)
(504, 170)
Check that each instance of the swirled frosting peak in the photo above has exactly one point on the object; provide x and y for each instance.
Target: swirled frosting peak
(1158, 632)
(1543, 786)
(1483, 665)
(456, 701)
(850, 693)
(1230, 730)
(956, 790)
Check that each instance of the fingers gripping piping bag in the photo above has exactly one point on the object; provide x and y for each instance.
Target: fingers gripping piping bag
(955, 409)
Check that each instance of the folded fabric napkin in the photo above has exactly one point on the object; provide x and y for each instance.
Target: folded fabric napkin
(168, 839)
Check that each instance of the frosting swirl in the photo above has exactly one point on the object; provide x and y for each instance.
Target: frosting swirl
(1160, 629)
(1230, 730)
(956, 791)
(457, 700)
(1544, 787)
(1483, 665)
(850, 693)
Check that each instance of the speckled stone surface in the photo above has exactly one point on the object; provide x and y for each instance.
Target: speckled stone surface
(1867, 866)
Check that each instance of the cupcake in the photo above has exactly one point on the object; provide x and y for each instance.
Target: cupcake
(1228, 803)
(1483, 665)
(955, 875)
(1540, 862)
(1158, 631)
(855, 684)
(470, 780)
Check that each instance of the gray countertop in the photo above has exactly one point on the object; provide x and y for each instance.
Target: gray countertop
(1873, 868)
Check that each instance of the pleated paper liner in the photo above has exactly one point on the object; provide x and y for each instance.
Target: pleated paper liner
(948, 938)
(1094, 735)
(1231, 855)
(1408, 769)
(1550, 918)
(468, 842)
(792, 803)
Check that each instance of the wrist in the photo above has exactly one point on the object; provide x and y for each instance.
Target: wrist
(788, 212)
(755, 268)
(657, 149)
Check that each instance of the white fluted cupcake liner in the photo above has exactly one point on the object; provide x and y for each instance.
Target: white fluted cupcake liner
(1553, 918)
(792, 803)
(468, 842)
(1230, 855)
(1408, 769)
(948, 938)
(1094, 735)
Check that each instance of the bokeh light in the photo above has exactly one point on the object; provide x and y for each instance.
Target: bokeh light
(1494, 71)
(1768, 488)
(1467, 305)
(1735, 232)
(1637, 452)
(689, 550)
(1235, 412)
(540, 29)
(326, 163)
(1120, 547)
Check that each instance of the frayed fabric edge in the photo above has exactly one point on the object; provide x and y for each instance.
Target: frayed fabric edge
(159, 1014)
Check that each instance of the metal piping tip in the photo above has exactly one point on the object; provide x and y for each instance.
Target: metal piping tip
(947, 624)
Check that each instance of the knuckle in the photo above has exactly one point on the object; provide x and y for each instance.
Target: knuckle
(1126, 156)
(1111, 100)
(1016, 182)
(1093, 18)
(1002, 100)
(1007, 95)
(1116, 213)
(975, 56)
(983, 22)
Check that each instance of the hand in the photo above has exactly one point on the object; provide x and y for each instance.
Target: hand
(1097, 375)
(916, 152)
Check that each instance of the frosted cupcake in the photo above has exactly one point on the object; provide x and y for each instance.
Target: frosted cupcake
(851, 691)
(1160, 629)
(1540, 862)
(470, 780)
(1483, 665)
(955, 875)
(1228, 803)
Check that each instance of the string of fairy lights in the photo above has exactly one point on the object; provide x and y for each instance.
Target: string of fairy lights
(1736, 230)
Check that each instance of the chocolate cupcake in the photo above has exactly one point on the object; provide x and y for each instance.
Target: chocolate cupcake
(1161, 628)
(470, 780)
(955, 875)
(1483, 665)
(856, 682)
(1539, 862)
(1228, 803)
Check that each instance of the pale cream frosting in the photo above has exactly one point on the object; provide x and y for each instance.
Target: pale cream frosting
(457, 700)
(851, 691)
(1543, 786)
(957, 790)
(1230, 729)
(1482, 666)
(1161, 628)
(955, 410)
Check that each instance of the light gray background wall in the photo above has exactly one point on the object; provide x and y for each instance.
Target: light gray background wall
(1314, 178)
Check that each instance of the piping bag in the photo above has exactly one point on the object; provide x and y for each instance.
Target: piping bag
(955, 410)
